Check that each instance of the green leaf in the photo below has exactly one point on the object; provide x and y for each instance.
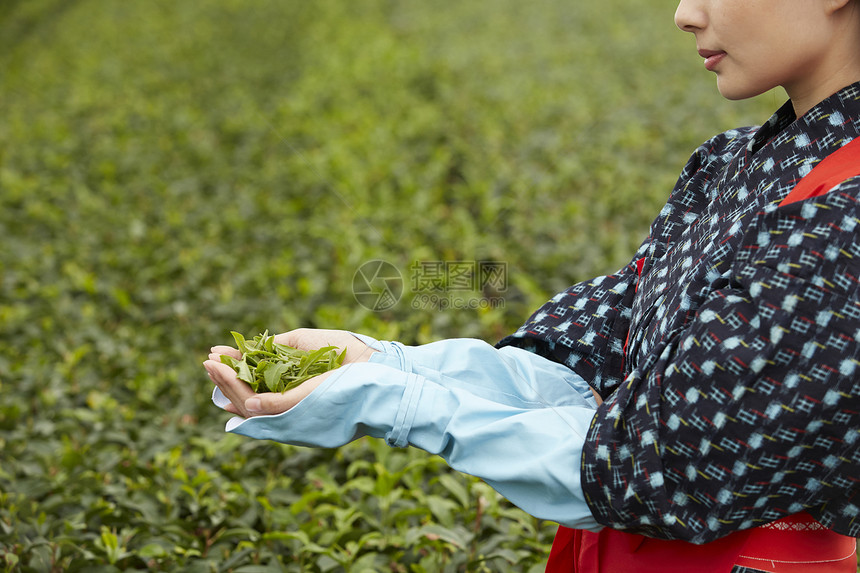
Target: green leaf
(453, 483)
(240, 341)
(273, 375)
(268, 342)
(244, 373)
(457, 535)
(152, 550)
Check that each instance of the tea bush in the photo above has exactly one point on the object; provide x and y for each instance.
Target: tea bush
(172, 171)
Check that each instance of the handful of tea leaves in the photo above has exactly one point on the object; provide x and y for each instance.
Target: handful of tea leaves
(271, 367)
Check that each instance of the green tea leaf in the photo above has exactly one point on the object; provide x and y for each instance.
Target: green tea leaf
(268, 366)
(273, 375)
(240, 341)
(244, 373)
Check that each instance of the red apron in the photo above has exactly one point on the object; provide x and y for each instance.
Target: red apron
(795, 544)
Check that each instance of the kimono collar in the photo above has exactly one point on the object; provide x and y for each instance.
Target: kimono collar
(840, 110)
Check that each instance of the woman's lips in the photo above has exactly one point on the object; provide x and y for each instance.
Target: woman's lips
(712, 58)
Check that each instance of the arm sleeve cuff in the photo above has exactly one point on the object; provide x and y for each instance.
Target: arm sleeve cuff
(523, 437)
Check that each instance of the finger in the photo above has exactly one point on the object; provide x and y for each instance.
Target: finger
(313, 338)
(269, 403)
(217, 356)
(233, 389)
(228, 350)
(220, 372)
(301, 338)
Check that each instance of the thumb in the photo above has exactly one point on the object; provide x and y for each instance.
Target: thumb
(269, 403)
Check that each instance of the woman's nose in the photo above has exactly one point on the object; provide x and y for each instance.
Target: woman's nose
(691, 15)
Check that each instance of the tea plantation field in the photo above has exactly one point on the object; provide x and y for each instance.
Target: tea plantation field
(172, 171)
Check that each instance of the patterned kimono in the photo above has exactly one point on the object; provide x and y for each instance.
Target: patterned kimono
(728, 350)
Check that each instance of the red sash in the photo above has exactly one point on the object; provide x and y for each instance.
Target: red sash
(796, 544)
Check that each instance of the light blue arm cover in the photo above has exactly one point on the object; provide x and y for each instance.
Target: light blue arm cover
(512, 418)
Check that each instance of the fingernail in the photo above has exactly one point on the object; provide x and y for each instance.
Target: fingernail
(253, 405)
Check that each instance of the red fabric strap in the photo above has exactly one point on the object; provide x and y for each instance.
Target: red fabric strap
(799, 544)
(840, 165)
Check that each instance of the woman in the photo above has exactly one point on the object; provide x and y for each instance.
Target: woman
(726, 352)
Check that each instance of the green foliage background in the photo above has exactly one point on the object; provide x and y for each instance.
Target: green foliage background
(171, 171)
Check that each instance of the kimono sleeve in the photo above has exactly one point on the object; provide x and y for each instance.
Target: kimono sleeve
(586, 326)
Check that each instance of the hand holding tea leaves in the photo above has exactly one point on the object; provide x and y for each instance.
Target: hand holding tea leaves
(247, 400)
(267, 366)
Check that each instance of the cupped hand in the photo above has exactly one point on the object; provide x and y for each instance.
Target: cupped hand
(246, 403)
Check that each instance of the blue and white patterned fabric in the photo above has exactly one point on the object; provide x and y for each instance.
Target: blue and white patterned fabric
(730, 368)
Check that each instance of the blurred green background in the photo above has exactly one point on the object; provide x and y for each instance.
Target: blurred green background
(171, 171)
